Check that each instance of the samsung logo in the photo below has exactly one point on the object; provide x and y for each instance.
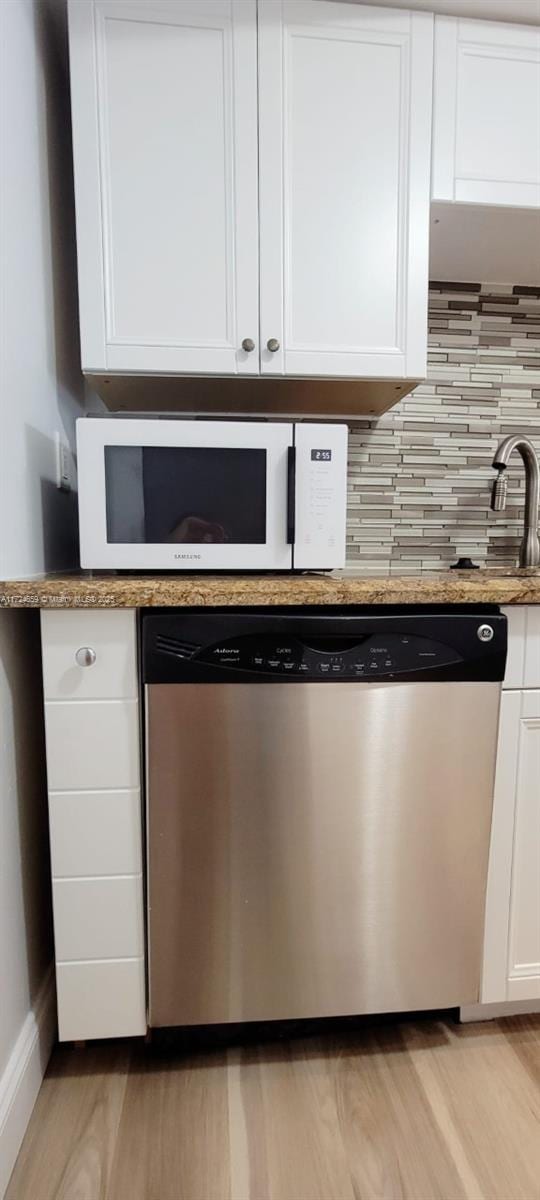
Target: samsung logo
(188, 556)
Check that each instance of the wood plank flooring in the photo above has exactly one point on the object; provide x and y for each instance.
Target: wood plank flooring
(417, 1110)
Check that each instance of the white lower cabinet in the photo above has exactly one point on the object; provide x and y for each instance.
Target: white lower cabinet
(524, 926)
(512, 934)
(512, 969)
(93, 767)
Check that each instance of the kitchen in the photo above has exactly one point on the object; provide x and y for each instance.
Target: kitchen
(404, 879)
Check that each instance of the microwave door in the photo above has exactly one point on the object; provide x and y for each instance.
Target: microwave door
(184, 495)
(318, 475)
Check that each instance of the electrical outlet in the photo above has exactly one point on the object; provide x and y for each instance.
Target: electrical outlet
(63, 464)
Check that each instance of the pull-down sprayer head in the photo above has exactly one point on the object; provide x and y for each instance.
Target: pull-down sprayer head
(499, 490)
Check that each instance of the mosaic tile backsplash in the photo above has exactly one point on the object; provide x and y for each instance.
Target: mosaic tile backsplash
(420, 476)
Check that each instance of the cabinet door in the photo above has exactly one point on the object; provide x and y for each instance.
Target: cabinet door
(524, 926)
(164, 99)
(344, 150)
(486, 118)
(512, 941)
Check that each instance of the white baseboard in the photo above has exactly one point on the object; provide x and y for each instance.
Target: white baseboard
(24, 1071)
(490, 1012)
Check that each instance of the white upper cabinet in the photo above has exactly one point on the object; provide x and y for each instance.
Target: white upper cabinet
(344, 147)
(164, 100)
(486, 118)
(193, 145)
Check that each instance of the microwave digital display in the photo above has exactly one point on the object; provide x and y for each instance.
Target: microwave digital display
(185, 495)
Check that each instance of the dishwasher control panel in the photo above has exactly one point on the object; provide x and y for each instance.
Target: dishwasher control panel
(275, 647)
(373, 656)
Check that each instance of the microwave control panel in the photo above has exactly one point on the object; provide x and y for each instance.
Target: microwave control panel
(321, 494)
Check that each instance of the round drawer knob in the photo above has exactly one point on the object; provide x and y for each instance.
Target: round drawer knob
(248, 345)
(85, 656)
(272, 345)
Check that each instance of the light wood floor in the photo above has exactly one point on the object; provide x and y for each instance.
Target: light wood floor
(427, 1110)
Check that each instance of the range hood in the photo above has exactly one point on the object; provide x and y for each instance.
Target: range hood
(251, 397)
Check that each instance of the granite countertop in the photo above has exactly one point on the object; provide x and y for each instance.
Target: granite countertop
(84, 590)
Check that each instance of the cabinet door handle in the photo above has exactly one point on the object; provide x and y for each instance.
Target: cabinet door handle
(85, 656)
(248, 345)
(272, 345)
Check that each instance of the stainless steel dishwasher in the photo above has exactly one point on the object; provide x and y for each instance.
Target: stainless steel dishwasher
(319, 794)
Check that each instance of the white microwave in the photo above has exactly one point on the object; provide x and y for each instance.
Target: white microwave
(207, 495)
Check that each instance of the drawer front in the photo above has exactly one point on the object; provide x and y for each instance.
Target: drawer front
(98, 918)
(523, 661)
(532, 648)
(95, 833)
(112, 638)
(517, 621)
(92, 745)
(101, 999)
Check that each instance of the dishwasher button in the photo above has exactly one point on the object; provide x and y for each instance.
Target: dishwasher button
(324, 668)
(274, 662)
(337, 668)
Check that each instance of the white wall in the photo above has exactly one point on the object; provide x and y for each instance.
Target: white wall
(25, 919)
(40, 391)
(41, 384)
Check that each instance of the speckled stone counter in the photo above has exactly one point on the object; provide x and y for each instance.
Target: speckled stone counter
(182, 591)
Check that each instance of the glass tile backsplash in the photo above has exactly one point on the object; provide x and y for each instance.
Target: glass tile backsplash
(420, 477)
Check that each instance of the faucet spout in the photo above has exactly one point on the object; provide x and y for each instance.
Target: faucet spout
(529, 552)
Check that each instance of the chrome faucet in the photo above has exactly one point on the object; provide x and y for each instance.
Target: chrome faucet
(529, 550)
